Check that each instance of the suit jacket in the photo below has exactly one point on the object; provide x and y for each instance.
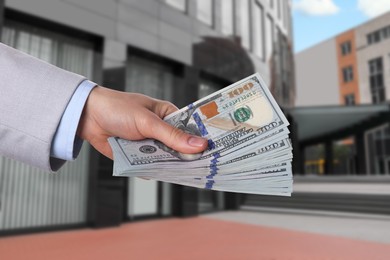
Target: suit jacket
(33, 97)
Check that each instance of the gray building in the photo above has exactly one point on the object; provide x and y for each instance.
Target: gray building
(175, 50)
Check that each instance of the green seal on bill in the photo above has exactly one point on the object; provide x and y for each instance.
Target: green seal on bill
(242, 114)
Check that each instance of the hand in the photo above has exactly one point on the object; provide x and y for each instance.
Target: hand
(131, 116)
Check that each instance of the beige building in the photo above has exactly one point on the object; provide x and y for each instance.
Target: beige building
(373, 59)
(352, 68)
(316, 75)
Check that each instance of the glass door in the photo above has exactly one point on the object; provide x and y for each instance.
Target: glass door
(31, 197)
(149, 197)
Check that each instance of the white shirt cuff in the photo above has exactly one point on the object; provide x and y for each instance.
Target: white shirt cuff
(66, 145)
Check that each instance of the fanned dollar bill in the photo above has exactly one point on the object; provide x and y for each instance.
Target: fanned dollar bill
(248, 146)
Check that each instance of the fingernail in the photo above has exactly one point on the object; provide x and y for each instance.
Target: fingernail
(196, 141)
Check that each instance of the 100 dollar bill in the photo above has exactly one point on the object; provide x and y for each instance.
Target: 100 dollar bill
(233, 117)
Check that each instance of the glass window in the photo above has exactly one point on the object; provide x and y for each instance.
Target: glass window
(347, 74)
(374, 37)
(245, 24)
(281, 6)
(346, 48)
(71, 54)
(50, 199)
(286, 10)
(205, 11)
(384, 32)
(376, 80)
(258, 18)
(227, 16)
(349, 99)
(377, 36)
(207, 87)
(179, 4)
(377, 147)
(149, 78)
(278, 7)
(269, 36)
(369, 39)
(154, 79)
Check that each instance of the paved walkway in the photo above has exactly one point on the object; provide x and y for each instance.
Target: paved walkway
(215, 236)
(373, 185)
(365, 227)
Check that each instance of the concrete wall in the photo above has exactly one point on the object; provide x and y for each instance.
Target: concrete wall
(316, 75)
(367, 52)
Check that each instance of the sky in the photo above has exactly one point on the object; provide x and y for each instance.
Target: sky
(317, 20)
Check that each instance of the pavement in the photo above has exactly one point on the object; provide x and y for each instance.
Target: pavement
(364, 227)
(369, 184)
(249, 233)
(261, 234)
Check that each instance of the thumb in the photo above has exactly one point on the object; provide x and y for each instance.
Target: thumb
(177, 139)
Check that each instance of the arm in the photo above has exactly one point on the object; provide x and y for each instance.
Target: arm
(33, 97)
(131, 116)
(35, 94)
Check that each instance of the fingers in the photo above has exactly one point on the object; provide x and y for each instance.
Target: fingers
(175, 138)
(171, 136)
(134, 117)
(164, 108)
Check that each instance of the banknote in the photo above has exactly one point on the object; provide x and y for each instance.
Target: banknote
(248, 144)
(229, 119)
(268, 150)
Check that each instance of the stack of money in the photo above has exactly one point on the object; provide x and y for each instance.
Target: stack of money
(249, 150)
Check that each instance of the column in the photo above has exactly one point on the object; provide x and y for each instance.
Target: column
(360, 153)
(233, 200)
(298, 163)
(185, 201)
(187, 91)
(329, 157)
(107, 196)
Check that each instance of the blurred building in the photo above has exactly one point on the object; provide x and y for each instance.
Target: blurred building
(176, 50)
(352, 68)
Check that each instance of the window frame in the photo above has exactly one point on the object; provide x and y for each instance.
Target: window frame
(269, 39)
(233, 18)
(176, 8)
(347, 72)
(349, 99)
(257, 4)
(249, 28)
(212, 11)
(271, 4)
(38, 27)
(376, 80)
(378, 35)
(346, 48)
(279, 10)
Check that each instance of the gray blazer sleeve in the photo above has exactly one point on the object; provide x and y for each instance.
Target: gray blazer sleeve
(33, 97)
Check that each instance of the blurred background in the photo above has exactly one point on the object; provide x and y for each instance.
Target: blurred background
(326, 62)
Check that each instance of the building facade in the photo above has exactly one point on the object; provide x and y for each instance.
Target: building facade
(176, 50)
(317, 82)
(352, 68)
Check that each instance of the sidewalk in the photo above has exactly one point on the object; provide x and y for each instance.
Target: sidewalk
(370, 185)
(225, 235)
